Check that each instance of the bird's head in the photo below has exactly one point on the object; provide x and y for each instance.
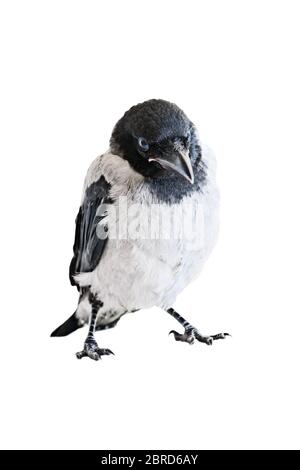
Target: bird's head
(157, 139)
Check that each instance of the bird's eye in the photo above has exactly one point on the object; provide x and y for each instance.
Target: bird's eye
(143, 144)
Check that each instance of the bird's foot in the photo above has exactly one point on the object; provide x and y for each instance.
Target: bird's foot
(92, 350)
(191, 333)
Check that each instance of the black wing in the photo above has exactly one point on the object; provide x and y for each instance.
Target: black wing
(88, 246)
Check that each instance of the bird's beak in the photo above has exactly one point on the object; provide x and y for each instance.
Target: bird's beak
(178, 161)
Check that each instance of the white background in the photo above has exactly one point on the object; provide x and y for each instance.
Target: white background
(69, 70)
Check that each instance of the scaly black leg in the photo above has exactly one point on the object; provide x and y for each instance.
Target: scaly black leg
(191, 333)
(91, 348)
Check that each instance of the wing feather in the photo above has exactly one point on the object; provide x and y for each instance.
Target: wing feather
(88, 246)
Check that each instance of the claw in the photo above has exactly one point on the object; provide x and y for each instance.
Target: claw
(94, 354)
(220, 336)
(106, 352)
(210, 339)
(81, 354)
(190, 334)
(174, 332)
(186, 337)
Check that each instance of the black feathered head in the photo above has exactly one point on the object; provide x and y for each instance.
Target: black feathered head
(157, 139)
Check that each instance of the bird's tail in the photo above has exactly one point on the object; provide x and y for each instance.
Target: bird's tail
(70, 325)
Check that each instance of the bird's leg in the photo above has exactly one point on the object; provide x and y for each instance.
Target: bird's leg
(191, 333)
(91, 348)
